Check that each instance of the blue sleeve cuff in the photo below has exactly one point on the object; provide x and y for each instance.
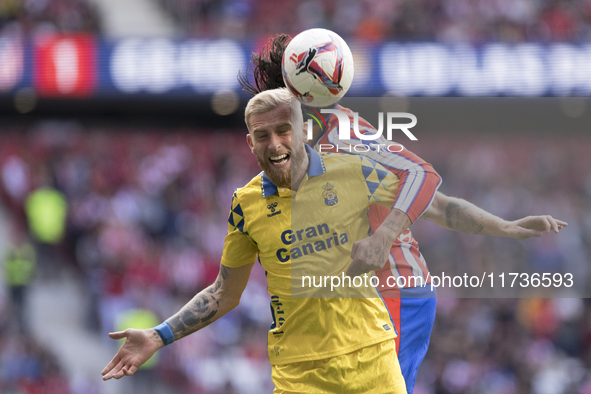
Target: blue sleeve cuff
(165, 333)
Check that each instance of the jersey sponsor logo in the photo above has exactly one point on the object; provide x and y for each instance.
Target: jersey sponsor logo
(330, 194)
(386, 327)
(271, 207)
(306, 241)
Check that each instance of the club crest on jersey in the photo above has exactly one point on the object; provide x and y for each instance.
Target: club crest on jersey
(271, 207)
(330, 194)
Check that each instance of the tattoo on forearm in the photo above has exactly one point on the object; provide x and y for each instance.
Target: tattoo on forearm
(397, 222)
(215, 287)
(200, 311)
(378, 249)
(378, 254)
(458, 218)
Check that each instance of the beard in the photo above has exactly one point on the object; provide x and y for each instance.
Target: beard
(281, 177)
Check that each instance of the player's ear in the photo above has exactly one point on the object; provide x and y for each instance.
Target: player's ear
(249, 142)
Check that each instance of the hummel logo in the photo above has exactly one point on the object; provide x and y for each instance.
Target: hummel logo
(277, 349)
(272, 207)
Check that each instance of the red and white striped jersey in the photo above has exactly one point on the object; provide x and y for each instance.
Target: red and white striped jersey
(418, 184)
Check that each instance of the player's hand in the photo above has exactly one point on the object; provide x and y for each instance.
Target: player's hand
(534, 226)
(139, 346)
(369, 254)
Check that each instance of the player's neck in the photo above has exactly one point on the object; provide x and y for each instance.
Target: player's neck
(298, 175)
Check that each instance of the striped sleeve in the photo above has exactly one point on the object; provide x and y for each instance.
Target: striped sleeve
(418, 179)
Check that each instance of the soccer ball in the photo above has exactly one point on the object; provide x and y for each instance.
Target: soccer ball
(318, 67)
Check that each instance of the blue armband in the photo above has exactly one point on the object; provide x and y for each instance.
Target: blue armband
(165, 333)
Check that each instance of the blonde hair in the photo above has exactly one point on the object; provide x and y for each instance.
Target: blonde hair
(267, 101)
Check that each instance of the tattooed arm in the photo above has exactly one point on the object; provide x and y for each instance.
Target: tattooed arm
(206, 307)
(460, 215)
(211, 303)
(371, 253)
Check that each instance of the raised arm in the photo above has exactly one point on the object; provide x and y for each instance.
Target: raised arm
(371, 253)
(206, 307)
(460, 215)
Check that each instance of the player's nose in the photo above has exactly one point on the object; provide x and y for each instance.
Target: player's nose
(274, 142)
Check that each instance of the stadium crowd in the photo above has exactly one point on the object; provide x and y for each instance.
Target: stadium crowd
(503, 345)
(425, 20)
(147, 210)
(446, 21)
(48, 16)
(147, 215)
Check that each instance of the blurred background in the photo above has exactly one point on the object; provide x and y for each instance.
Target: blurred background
(122, 140)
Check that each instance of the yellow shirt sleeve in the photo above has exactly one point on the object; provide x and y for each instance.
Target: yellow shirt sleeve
(239, 248)
(382, 185)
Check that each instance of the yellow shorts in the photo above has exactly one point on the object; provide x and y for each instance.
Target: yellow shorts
(373, 369)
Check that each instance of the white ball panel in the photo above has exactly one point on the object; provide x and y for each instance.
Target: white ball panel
(306, 81)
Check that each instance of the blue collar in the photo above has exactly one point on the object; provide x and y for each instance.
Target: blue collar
(315, 168)
(268, 188)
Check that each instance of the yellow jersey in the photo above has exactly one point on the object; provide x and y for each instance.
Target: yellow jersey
(303, 240)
